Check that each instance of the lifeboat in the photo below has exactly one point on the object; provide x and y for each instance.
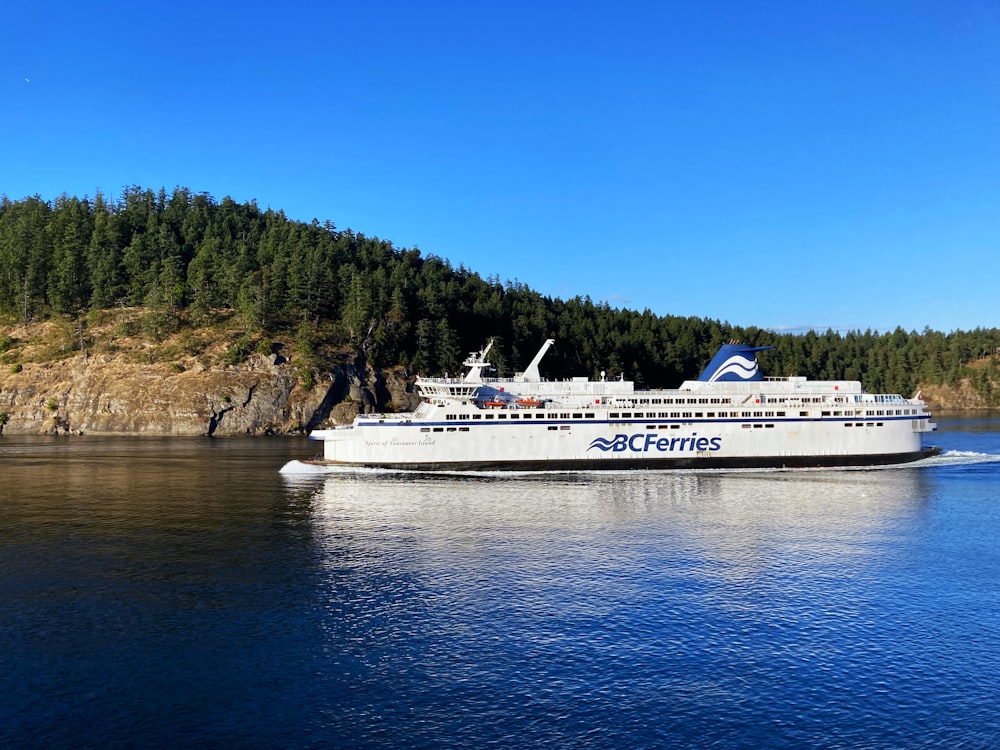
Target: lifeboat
(529, 403)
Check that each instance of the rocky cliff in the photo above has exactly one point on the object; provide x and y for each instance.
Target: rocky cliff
(114, 393)
(263, 396)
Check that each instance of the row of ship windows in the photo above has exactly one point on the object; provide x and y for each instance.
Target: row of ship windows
(525, 415)
(757, 426)
(751, 414)
(723, 401)
(466, 429)
(766, 399)
(878, 398)
(685, 414)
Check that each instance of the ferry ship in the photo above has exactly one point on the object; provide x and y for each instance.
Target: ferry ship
(730, 417)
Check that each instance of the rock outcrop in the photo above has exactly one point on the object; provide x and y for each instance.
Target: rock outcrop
(961, 397)
(106, 394)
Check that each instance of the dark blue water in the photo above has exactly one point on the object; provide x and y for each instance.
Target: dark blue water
(185, 593)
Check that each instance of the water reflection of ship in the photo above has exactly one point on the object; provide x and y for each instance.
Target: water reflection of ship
(731, 526)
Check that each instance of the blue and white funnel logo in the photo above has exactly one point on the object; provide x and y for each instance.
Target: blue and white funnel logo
(737, 367)
(733, 362)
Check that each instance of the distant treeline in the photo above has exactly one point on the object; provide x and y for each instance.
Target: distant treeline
(184, 254)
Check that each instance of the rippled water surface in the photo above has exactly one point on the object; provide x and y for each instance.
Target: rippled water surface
(185, 593)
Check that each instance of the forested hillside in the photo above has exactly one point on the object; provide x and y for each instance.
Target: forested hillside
(184, 256)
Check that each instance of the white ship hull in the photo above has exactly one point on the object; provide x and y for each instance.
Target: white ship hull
(605, 444)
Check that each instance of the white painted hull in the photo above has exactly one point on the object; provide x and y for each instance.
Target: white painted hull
(617, 444)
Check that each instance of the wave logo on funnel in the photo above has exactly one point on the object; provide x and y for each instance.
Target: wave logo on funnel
(733, 362)
(738, 367)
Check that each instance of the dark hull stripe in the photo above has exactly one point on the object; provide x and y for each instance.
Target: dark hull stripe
(617, 464)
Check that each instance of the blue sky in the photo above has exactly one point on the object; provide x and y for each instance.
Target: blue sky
(787, 165)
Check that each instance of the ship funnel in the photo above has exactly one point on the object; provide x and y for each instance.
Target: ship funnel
(734, 362)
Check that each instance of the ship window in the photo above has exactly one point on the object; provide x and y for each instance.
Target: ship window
(425, 429)
(698, 413)
(564, 427)
(490, 416)
(710, 414)
(463, 429)
(803, 414)
(824, 414)
(439, 429)
(686, 414)
(626, 415)
(614, 415)
(589, 416)
(564, 416)
(651, 427)
(578, 416)
(451, 429)
(769, 426)
(745, 426)
(757, 426)
(848, 424)
(501, 416)
(553, 427)
(780, 413)
(477, 416)
(878, 424)
(515, 416)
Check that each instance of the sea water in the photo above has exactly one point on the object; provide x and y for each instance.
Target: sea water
(185, 592)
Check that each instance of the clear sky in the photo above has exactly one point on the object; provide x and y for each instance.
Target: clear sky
(789, 165)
